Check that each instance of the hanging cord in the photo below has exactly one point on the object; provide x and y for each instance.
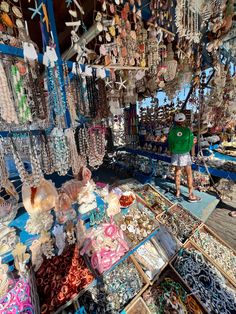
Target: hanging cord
(208, 172)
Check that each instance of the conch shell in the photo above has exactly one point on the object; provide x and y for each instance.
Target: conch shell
(40, 199)
(7, 20)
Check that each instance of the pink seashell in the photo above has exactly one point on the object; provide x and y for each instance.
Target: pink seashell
(86, 175)
(72, 188)
(63, 202)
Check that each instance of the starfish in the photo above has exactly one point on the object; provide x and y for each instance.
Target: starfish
(36, 10)
(109, 83)
(121, 83)
(68, 3)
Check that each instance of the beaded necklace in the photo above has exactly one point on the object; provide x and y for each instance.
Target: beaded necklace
(7, 108)
(21, 98)
(61, 151)
(77, 161)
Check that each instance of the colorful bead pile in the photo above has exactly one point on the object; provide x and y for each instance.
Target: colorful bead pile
(60, 278)
(115, 291)
(170, 297)
(18, 299)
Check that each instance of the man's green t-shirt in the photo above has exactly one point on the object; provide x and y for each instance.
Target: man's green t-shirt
(180, 140)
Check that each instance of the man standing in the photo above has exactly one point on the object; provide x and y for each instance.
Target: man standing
(180, 141)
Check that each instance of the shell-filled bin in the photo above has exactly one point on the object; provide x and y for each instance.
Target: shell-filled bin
(156, 201)
(180, 222)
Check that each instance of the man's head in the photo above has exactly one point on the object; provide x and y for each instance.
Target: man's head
(180, 118)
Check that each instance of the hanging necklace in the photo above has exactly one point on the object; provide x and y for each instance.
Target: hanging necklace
(77, 161)
(7, 108)
(61, 151)
(21, 98)
(69, 95)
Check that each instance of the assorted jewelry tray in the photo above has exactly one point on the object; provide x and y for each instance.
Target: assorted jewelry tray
(217, 251)
(154, 199)
(180, 222)
(111, 296)
(207, 283)
(169, 294)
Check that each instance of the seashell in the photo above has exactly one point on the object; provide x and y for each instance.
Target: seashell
(63, 202)
(73, 13)
(19, 23)
(4, 6)
(17, 12)
(86, 175)
(11, 190)
(42, 199)
(13, 41)
(7, 20)
(21, 67)
(5, 209)
(72, 188)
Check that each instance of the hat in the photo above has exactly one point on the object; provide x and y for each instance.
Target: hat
(180, 117)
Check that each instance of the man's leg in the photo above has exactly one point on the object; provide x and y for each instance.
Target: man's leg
(177, 180)
(188, 170)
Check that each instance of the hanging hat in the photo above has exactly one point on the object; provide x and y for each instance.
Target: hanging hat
(180, 117)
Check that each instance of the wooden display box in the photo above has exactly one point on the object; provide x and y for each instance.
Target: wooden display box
(167, 202)
(172, 211)
(138, 307)
(189, 245)
(204, 228)
(144, 280)
(163, 256)
(171, 273)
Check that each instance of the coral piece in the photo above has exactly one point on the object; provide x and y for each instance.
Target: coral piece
(60, 238)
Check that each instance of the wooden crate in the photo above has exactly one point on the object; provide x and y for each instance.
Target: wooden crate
(164, 257)
(138, 307)
(189, 245)
(171, 211)
(171, 273)
(144, 280)
(204, 228)
(167, 202)
(155, 239)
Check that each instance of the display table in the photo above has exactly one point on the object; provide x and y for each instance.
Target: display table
(213, 171)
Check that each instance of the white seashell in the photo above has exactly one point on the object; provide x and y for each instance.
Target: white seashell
(17, 12)
(4, 6)
(73, 13)
(19, 23)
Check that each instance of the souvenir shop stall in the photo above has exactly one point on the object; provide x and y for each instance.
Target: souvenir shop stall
(74, 80)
